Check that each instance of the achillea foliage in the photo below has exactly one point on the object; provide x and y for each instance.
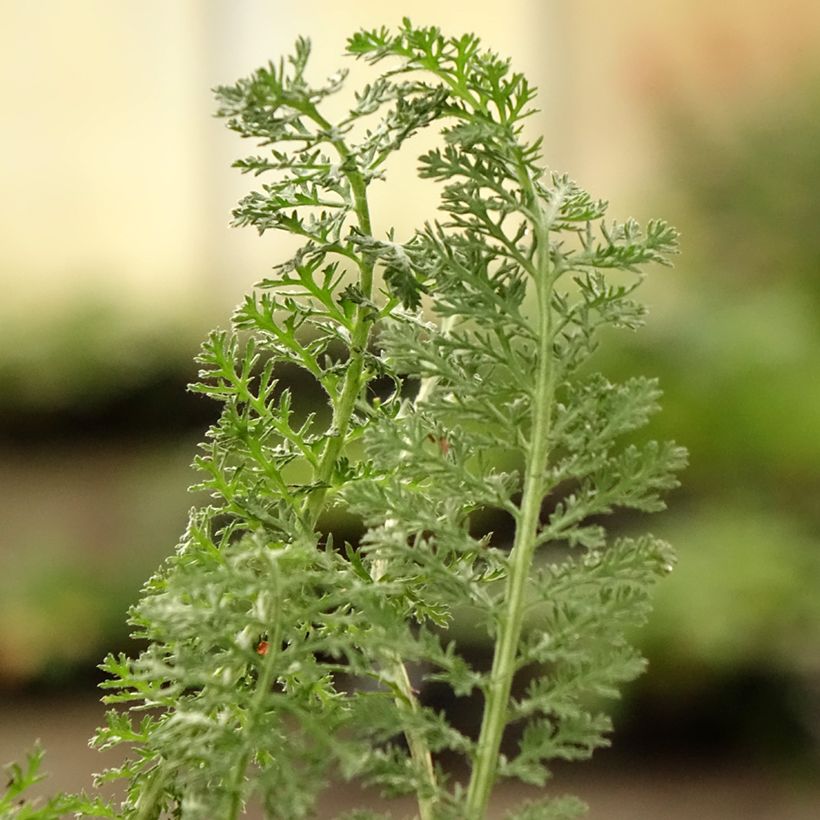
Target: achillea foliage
(257, 625)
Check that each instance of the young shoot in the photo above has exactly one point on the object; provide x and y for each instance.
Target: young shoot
(455, 367)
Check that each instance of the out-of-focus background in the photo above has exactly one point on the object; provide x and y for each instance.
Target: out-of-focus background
(116, 259)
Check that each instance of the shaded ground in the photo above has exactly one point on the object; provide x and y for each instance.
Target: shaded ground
(615, 790)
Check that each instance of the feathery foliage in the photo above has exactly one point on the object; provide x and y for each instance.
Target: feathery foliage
(277, 659)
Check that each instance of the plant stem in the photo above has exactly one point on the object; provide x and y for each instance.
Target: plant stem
(418, 747)
(354, 375)
(497, 693)
(419, 752)
(343, 408)
(147, 805)
(263, 686)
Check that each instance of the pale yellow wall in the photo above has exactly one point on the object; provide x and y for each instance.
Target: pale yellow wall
(100, 165)
(114, 177)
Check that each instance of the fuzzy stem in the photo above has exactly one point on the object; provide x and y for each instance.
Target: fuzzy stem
(263, 686)
(343, 406)
(342, 412)
(354, 379)
(497, 693)
(419, 752)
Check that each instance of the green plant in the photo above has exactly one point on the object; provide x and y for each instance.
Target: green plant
(277, 658)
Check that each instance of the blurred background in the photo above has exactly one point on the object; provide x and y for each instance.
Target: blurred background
(116, 259)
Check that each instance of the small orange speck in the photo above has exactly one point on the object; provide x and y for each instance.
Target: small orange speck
(262, 648)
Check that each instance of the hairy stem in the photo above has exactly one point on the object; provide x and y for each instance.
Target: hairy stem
(419, 752)
(353, 384)
(343, 406)
(497, 693)
(263, 686)
(147, 804)
(354, 379)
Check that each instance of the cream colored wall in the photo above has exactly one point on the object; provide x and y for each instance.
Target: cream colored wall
(100, 164)
(114, 177)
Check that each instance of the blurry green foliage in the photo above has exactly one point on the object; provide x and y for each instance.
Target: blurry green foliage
(55, 612)
(738, 351)
(738, 348)
(744, 593)
(74, 557)
(751, 191)
(87, 350)
(740, 383)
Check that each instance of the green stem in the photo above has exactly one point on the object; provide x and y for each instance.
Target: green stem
(497, 692)
(354, 379)
(147, 805)
(343, 407)
(263, 687)
(419, 752)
